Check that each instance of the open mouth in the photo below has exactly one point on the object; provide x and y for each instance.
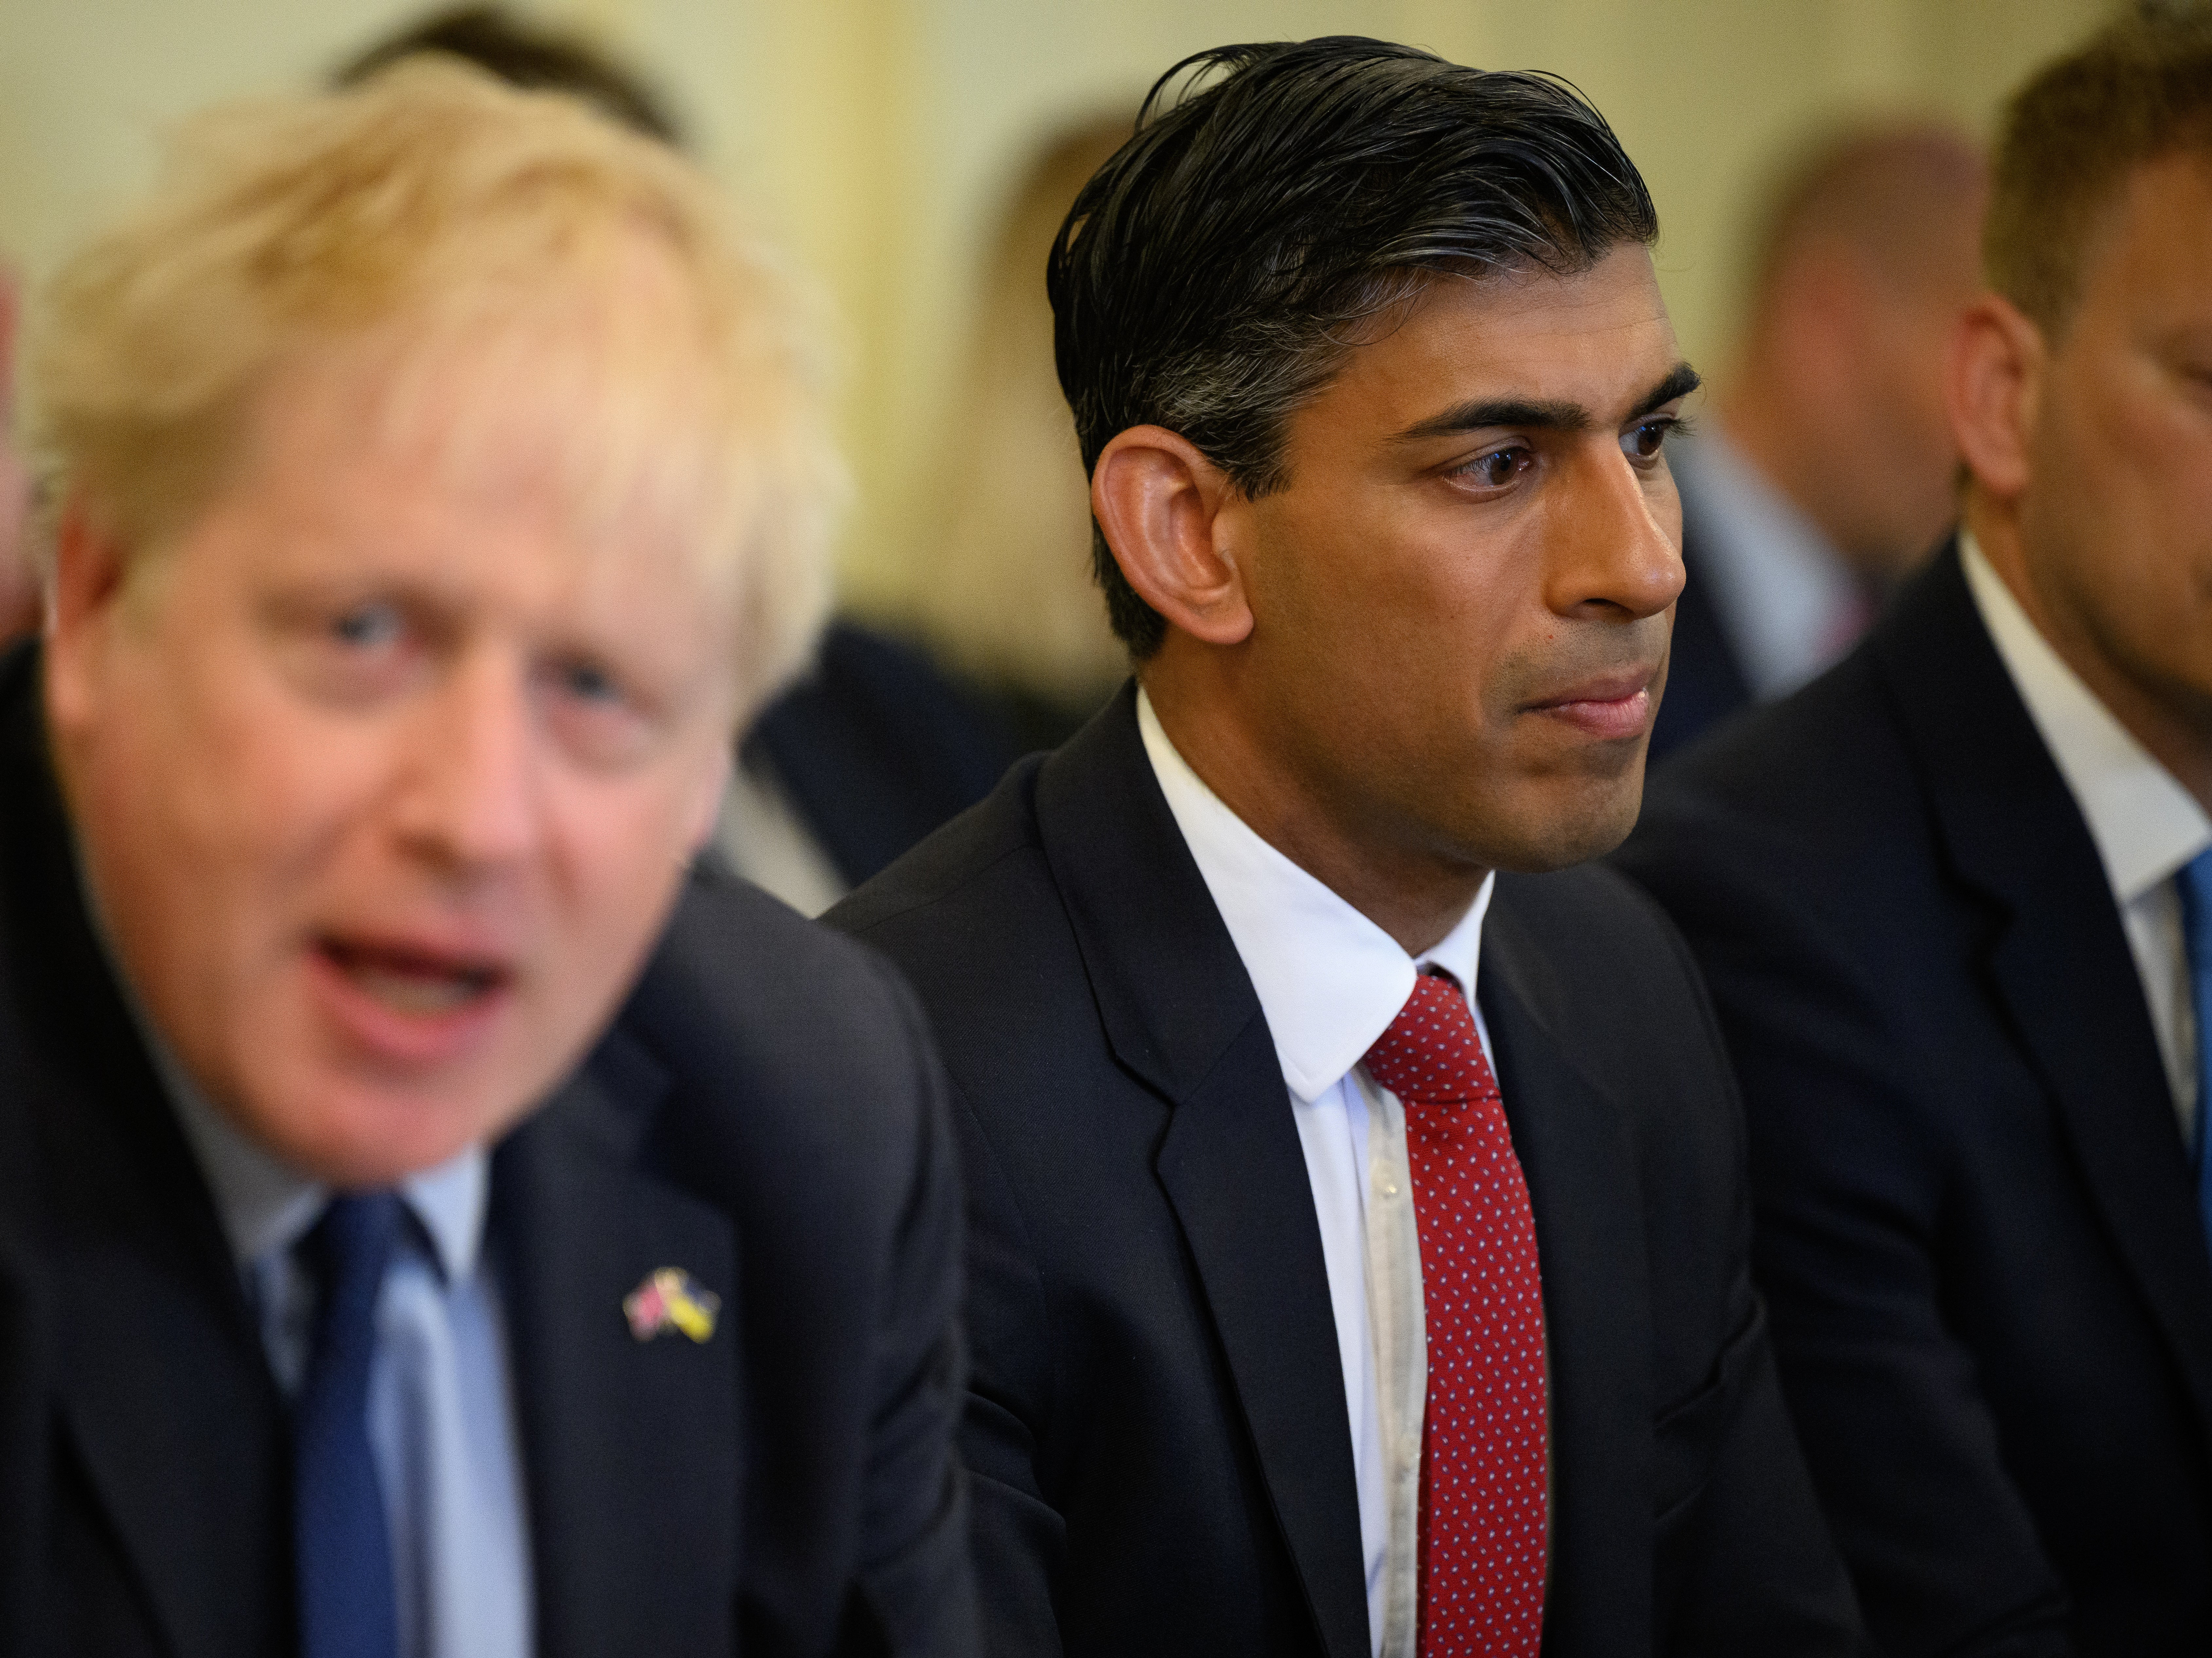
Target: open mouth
(416, 983)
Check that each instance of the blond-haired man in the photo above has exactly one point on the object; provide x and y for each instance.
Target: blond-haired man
(439, 1219)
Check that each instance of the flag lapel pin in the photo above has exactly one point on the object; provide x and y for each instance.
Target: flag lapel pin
(671, 1299)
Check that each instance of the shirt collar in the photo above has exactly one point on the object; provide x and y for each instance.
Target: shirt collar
(2145, 824)
(1329, 980)
(266, 1206)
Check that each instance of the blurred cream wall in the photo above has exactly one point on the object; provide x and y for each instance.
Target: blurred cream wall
(878, 136)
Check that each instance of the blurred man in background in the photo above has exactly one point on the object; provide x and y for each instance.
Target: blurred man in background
(19, 582)
(436, 1221)
(1825, 474)
(1954, 903)
(875, 746)
(1004, 590)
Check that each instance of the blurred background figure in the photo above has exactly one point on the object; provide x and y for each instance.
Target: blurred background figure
(1005, 592)
(529, 55)
(1824, 472)
(18, 584)
(876, 747)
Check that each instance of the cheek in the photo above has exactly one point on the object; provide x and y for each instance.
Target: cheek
(617, 851)
(221, 778)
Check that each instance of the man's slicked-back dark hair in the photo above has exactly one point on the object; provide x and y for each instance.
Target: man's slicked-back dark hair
(1212, 275)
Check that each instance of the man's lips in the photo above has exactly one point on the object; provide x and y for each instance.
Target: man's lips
(1611, 706)
(407, 1000)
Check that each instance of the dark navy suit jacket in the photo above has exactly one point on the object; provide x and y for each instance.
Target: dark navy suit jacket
(1157, 1431)
(1706, 680)
(1977, 1229)
(877, 746)
(766, 1112)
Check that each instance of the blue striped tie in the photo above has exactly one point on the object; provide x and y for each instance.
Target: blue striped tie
(2196, 884)
(348, 1605)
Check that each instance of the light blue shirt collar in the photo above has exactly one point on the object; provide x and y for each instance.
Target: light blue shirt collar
(267, 1206)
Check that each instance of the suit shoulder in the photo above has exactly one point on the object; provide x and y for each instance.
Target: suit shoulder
(745, 992)
(1812, 745)
(1818, 792)
(1589, 940)
(1584, 904)
(974, 919)
(947, 865)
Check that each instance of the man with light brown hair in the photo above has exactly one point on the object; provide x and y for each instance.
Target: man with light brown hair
(1955, 904)
(436, 1218)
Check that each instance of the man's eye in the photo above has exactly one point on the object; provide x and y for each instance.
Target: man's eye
(1496, 469)
(588, 682)
(1645, 439)
(367, 627)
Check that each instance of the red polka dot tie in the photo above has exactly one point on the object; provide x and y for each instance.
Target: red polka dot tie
(1483, 1435)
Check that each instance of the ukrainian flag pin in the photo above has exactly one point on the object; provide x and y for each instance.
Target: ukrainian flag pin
(671, 1299)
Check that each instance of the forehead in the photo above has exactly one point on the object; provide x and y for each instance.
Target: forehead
(1599, 338)
(2154, 254)
(531, 428)
(360, 477)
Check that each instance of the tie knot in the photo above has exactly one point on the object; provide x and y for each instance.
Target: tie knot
(351, 1245)
(1432, 1050)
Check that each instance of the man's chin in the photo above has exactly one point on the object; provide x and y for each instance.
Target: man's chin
(1593, 819)
(360, 1137)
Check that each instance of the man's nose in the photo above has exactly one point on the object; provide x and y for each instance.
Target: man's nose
(1619, 546)
(471, 796)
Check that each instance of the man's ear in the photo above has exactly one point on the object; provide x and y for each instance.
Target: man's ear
(1159, 500)
(84, 597)
(1992, 385)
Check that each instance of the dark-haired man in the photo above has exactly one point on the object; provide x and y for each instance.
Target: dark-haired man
(1955, 904)
(1291, 1335)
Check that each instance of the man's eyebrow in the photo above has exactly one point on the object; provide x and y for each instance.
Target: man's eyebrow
(1545, 414)
(1681, 380)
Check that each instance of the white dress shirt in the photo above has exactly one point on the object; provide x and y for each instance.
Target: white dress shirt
(2145, 824)
(1330, 981)
(1786, 599)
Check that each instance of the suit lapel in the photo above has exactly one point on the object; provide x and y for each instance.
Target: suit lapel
(1180, 1012)
(152, 1339)
(2059, 959)
(631, 1446)
(1573, 1144)
(155, 1345)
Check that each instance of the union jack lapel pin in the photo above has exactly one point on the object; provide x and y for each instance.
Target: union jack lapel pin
(671, 1299)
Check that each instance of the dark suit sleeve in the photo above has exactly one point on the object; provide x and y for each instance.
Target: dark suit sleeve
(1019, 1538)
(1849, 1203)
(24, 1451)
(915, 1595)
(1746, 1562)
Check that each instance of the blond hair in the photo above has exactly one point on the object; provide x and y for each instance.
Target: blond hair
(454, 219)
